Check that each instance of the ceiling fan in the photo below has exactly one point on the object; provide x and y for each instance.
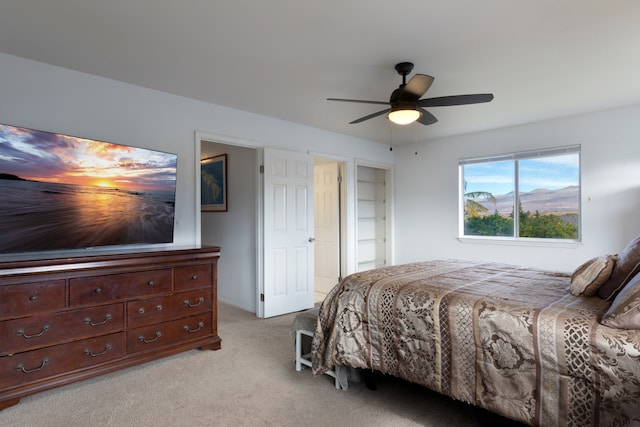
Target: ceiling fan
(405, 103)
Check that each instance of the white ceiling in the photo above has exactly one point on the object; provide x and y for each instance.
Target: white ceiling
(282, 58)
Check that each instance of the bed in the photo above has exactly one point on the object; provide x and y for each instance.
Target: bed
(516, 341)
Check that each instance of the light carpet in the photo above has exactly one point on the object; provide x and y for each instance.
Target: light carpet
(251, 381)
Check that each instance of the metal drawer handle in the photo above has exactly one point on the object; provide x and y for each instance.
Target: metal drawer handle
(151, 283)
(20, 332)
(147, 341)
(200, 326)
(33, 298)
(195, 304)
(89, 353)
(90, 323)
(98, 290)
(141, 310)
(44, 363)
(194, 277)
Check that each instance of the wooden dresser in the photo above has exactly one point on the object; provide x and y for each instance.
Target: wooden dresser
(67, 319)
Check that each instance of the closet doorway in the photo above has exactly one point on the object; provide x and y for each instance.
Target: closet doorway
(374, 217)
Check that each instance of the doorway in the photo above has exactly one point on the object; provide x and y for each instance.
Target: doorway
(373, 217)
(234, 230)
(328, 194)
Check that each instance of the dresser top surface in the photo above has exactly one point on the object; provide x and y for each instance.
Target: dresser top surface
(103, 258)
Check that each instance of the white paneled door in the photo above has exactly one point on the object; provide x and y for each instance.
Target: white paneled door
(288, 232)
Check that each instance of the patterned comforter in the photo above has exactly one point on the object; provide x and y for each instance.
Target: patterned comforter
(512, 340)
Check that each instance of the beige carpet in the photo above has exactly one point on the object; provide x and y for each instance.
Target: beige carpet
(251, 381)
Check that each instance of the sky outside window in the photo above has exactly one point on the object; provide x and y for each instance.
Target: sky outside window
(497, 178)
(551, 173)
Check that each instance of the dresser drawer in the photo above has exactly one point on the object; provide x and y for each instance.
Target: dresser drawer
(114, 287)
(157, 309)
(35, 365)
(191, 277)
(20, 300)
(150, 337)
(39, 331)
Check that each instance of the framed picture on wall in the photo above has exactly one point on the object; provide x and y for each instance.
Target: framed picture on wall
(213, 184)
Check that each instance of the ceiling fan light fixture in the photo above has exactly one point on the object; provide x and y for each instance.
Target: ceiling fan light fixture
(404, 116)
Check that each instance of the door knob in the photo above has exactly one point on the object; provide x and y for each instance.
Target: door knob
(312, 239)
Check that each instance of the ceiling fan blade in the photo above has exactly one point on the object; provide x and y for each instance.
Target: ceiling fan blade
(361, 101)
(427, 118)
(444, 101)
(415, 88)
(370, 116)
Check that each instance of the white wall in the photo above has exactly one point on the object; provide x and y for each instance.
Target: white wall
(427, 190)
(54, 99)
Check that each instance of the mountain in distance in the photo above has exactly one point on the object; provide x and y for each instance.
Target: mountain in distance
(10, 177)
(563, 201)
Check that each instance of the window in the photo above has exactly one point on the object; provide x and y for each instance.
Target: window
(526, 195)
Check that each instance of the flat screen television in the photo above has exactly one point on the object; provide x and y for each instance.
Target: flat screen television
(60, 192)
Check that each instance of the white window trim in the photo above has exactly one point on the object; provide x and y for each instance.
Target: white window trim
(543, 152)
(520, 241)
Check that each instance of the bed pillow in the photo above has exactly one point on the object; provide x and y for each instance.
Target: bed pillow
(624, 312)
(627, 266)
(590, 276)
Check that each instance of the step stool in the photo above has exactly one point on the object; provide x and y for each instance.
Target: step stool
(304, 324)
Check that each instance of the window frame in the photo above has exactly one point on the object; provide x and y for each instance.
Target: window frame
(515, 157)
